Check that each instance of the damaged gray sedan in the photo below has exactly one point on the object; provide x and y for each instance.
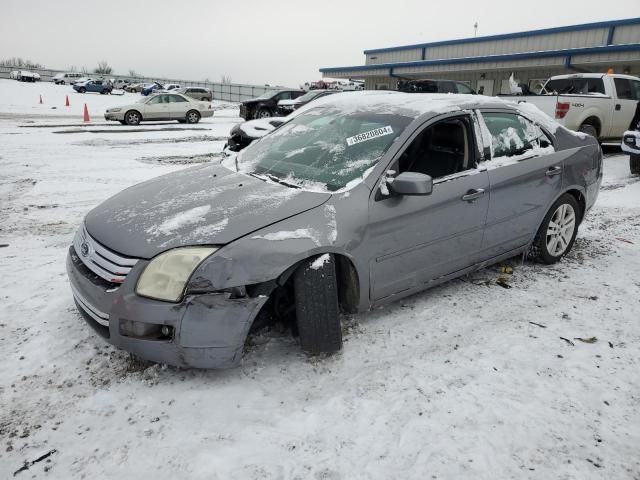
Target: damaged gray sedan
(357, 200)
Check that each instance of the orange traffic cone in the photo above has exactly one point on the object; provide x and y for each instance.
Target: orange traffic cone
(86, 113)
(66, 103)
(41, 100)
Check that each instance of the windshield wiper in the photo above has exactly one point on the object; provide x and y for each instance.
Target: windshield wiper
(273, 178)
(280, 181)
(259, 177)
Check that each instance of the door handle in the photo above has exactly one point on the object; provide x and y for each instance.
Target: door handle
(471, 195)
(557, 170)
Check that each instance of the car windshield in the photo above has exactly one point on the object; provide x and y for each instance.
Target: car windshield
(324, 148)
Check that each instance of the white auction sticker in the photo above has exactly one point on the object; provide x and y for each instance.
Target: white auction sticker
(371, 134)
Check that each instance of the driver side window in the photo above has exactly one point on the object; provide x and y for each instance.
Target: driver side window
(439, 150)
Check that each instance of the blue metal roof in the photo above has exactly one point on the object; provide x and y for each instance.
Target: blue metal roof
(506, 36)
(491, 58)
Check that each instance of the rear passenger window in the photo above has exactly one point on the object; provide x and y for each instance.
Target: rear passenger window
(513, 134)
(576, 86)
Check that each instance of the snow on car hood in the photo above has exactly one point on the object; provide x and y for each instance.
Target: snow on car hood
(205, 205)
(260, 127)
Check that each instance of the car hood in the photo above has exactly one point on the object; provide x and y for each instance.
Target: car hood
(287, 102)
(205, 205)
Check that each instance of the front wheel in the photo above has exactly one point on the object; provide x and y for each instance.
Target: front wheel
(558, 230)
(263, 113)
(82, 90)
(316, 299)
(132, 117)
(634, 164)
(193, 116)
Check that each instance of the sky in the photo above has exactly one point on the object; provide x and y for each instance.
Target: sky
(281, 42)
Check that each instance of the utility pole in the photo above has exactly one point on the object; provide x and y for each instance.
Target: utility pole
(475, 29)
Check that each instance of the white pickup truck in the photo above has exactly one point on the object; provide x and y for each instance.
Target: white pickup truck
(599, 104)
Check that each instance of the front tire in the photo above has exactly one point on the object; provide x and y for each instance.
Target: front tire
(132, 117)
(317, 312)
(263, 113)
(82, 90)
(634, 164)
(558, 231)
(193, 116)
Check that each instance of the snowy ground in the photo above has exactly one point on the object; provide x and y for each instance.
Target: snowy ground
(466, 381)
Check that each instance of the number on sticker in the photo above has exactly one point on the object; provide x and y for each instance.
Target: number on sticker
(371, 134)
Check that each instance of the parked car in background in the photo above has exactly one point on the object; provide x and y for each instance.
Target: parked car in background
(434, 86)
(97, 86)
(285, 107)
(68, 78)
(83, 80)
(150, 88)
(351, 204)
(134, 87)
(631, 145)
(171, 86)
(243, 134)
(266, 105)
(350, 86)
(121, 83)
(601, 105)
(24, 76)
(198, 93)
(161, 106)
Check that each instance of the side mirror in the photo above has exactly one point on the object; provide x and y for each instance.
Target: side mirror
(411, 183)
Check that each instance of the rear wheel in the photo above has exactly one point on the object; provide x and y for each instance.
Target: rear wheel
(589, 130)
(193, 116)
(132, 117)
(634, 164)
(316, 300)
(558, 230)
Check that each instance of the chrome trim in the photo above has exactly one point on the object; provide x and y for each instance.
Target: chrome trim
(101, 261)
(100, 317)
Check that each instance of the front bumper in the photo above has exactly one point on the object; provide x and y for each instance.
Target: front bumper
(631, 142)
(206, 330)
(119, 116)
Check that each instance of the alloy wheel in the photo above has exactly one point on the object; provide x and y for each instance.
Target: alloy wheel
(560, 229)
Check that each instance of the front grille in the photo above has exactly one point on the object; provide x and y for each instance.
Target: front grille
(101, 261)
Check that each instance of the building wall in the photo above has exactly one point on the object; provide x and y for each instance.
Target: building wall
(555, 41)
(409, 55)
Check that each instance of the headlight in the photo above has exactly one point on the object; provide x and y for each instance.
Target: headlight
(167, 274)
(113, 110)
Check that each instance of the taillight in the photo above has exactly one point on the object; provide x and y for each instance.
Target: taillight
(562, 108)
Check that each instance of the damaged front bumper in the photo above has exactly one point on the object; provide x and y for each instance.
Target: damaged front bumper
(203, 331)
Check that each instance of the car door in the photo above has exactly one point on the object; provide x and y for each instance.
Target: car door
(525, 173)
(417, 239)
(178, 107)
(628, 95)
(157, 108)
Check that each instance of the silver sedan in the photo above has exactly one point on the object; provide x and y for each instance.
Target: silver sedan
(162, 106)
(357, 200)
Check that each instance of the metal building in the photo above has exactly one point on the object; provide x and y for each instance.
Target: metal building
(487, 62)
